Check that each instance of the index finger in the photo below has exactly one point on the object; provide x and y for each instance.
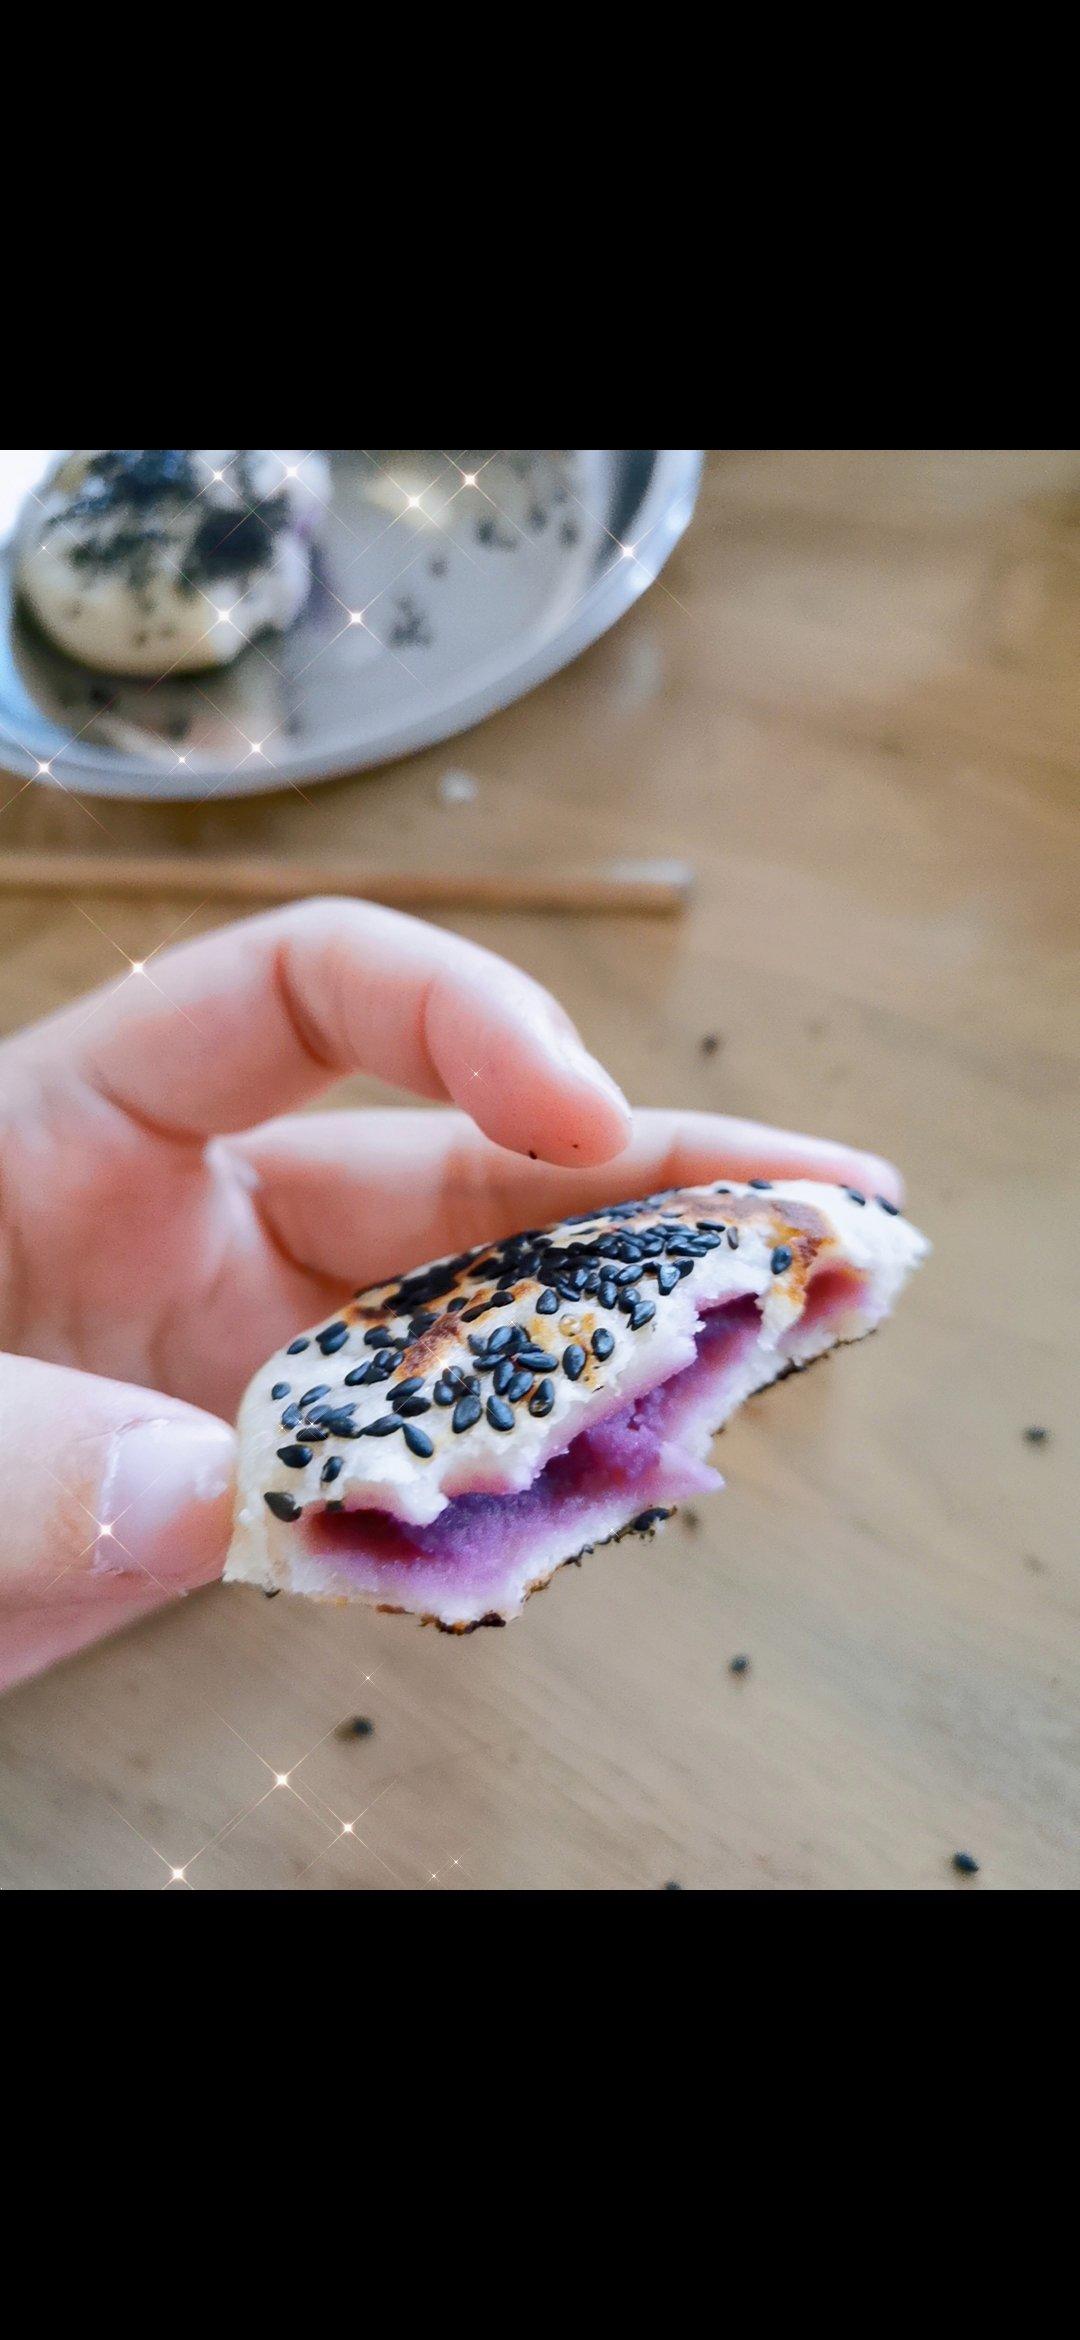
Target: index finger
(259, 1016)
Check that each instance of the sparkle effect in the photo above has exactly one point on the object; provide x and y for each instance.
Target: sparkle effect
(425, 526)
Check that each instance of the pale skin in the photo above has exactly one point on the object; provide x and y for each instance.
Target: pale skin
(167, 1219)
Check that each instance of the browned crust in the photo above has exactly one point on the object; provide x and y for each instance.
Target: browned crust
(798, 1225)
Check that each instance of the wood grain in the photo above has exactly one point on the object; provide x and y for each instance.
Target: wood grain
(853, 702)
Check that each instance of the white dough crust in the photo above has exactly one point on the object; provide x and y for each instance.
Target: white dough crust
(165, 561)
(785, 1248)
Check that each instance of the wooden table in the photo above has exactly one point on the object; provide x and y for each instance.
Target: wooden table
(854, 702)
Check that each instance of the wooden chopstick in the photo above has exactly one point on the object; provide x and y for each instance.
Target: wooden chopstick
(657, 886)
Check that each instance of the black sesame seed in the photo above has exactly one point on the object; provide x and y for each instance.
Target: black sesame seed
(547, 1304)
(382, 1428)
(295, 1458)
(499, 1414)
(892, 1208)
(290, 1418)
(333, 1339)
(445, 1393)
(337, 1422)
(518, 1386)
(573, 1361)
(966, 1863)
(608, 1294)
(649, 1519)
(467, 1411)
(764, 1185)
(409, 1407)
(377, 1335)
(781, 1259)
(295, 1347)
(312, 1396)
(667, 1278)
(500, 1340)
(332, 1469)
(360, 1375)
(738, 1665)
(542, 1400)
(280, 1389)
(408, 1387)
(642, 1314)
(602, 1343)
(418, 1441)
(421, 1324)
(629, 1299)
(502, 1376)
(282, 1506)
(733, 1237)
(358, 1728)
(538, 1360)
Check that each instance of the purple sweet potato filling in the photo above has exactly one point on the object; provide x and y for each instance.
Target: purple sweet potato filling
(486, 1547)
(630, 1463)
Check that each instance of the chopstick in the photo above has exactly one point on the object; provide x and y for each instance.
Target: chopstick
(661, 887)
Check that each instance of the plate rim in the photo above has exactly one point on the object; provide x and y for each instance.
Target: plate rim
(94, 771)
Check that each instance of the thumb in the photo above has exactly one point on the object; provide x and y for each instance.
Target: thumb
(115, 1501)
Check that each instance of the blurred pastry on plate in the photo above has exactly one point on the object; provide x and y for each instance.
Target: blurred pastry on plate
(168, 560)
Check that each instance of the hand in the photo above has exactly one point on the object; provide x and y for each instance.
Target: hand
(151, 1234)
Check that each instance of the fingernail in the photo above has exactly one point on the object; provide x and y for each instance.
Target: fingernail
(880, 1177)
(165, 1500)
(577, 1059)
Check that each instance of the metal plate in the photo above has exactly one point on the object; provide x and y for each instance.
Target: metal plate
(446, 586)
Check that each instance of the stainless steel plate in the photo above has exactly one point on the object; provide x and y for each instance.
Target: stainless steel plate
(446, 586)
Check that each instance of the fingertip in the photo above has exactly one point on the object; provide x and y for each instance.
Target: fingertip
(167, 1499)
(591, 1120)
(549, 1100)
(585, 1134)
(879, 1177)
